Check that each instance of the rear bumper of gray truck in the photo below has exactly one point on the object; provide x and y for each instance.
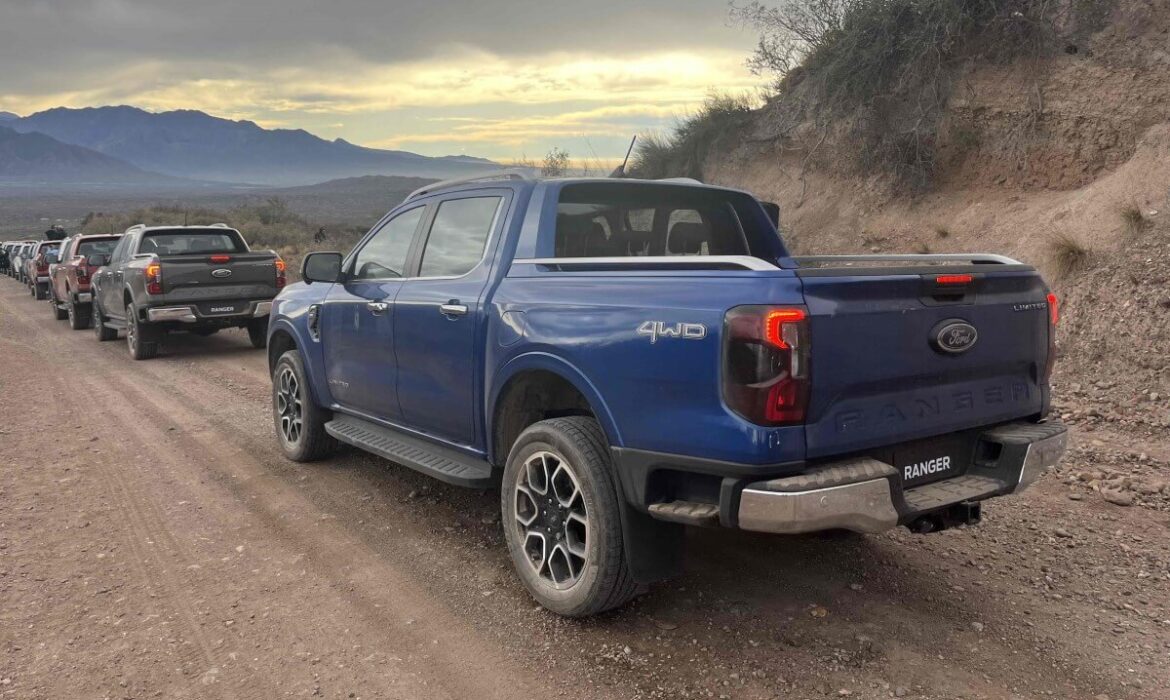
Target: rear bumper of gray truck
(202, 313)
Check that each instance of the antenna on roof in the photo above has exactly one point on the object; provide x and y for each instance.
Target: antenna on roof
(620, 171)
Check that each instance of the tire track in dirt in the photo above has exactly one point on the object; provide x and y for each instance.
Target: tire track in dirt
(151, 407)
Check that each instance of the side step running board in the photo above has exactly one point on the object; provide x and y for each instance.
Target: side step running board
(442, 463)
(686, 512)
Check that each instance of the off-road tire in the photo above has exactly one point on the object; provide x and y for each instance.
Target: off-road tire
(58, 313)
(79, 318)
(141, 339)
(310, 443)
(100, 329)
(258, 332)
(605, 581)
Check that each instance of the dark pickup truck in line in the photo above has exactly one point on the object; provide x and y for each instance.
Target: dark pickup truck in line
(198, 279)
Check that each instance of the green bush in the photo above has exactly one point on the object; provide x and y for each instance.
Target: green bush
(683, 152)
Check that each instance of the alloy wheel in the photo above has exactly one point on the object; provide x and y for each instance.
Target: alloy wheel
(552, 520)
(131, 330)
(288, 405)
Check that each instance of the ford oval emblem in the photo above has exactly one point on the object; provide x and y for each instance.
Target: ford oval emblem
(221, 273)
(954, 336)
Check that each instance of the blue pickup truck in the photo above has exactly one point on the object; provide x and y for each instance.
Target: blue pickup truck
(623, 358)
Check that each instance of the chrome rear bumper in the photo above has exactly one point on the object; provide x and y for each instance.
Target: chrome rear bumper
(187, 314)
(866, 495)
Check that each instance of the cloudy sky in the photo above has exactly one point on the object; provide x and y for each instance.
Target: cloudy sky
(499, 79)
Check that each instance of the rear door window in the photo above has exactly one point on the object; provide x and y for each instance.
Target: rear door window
(458, 236)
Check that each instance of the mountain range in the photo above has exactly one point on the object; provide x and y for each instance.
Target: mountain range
(197, 146)
(34, 159)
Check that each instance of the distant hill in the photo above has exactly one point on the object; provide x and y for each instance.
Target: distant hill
(8, 116)
(37, 159)
(353, 199)
(192, 144)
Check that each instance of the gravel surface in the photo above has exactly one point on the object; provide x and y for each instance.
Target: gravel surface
(154, 543)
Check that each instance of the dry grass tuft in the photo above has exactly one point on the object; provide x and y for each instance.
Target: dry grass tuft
(942, 231)
(1068, 254)
(1133, 219)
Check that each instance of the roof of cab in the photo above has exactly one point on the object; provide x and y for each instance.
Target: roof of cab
(514, 176)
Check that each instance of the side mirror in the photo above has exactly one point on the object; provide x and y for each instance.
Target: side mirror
(97, 260)
(321, 267)
(773, 211)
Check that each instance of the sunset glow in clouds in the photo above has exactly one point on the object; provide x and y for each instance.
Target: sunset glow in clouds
(499, 81)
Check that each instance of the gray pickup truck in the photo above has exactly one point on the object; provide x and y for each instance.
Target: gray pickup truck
(198, 279)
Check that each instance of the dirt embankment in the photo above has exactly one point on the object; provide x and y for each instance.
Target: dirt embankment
(1065, 158)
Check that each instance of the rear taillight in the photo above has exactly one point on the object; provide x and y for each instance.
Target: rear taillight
(82, 273)
(154, 278)
(281, 278)
(1053, 318)
(765, 363)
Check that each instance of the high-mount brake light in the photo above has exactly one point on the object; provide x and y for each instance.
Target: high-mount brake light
(1053, 309)
(153, 274)
(954, 279)
(765, 363)
(220, 259)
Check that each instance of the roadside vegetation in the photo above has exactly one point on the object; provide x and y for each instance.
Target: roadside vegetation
(872, 76)
(269, 224)
(1068, 254)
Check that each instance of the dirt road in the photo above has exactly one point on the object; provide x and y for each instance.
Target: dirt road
(154, 543)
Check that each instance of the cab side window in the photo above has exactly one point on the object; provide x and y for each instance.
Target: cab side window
(458, 236)
(384, 254)
(119, 253)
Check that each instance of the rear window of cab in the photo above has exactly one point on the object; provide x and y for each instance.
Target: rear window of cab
(621, 219)
(192, 242)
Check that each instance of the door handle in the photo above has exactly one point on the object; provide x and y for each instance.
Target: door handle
(377, 307)
(453, 308)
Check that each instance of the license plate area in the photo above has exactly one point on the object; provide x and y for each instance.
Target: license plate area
(924, 461)
(222, 308)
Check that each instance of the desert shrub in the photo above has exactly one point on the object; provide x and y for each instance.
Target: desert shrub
(556, 163)
(1068, 254)
(683, 152)
(1132, 219)
(942, 232)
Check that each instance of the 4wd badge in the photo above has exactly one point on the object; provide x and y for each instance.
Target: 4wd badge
(661, 329)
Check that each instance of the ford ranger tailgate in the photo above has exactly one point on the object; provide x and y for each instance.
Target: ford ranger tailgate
(252, 270)
(903, 353)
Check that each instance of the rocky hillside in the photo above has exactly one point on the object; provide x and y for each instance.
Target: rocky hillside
(1063, 162)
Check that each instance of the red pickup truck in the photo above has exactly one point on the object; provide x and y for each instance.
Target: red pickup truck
(69, 287)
